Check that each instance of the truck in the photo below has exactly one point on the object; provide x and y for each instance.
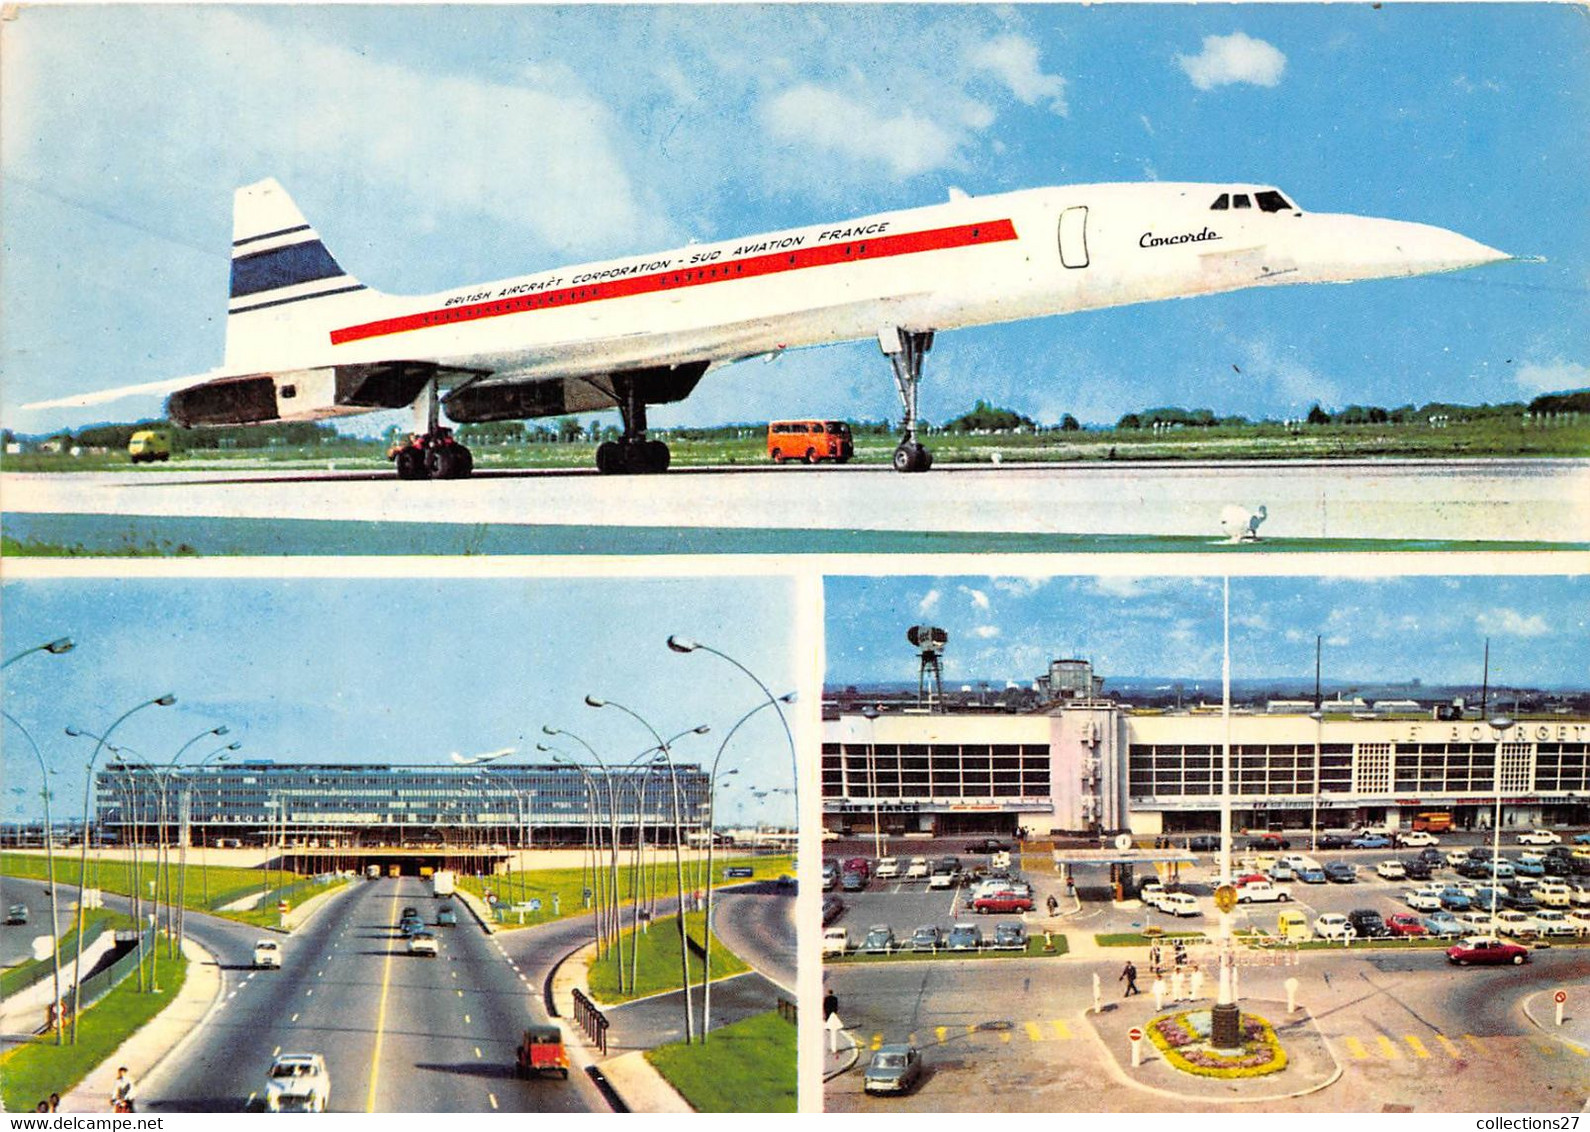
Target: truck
(372, 872)
(442, 882)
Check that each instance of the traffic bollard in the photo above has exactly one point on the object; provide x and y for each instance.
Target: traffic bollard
(1098, 995)
(1291, 995)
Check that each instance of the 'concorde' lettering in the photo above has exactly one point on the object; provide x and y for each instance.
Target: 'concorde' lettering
(1149, 240)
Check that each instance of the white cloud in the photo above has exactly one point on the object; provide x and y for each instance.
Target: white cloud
(1120, 587)
(1019, 586)
(1235, 58)
(1555, 376)
(1511, 623)
(978, 597)
(929, 602)
(820, 117)
(986, 632)
(1289, 377)
(1013, 59)
(1251, 621)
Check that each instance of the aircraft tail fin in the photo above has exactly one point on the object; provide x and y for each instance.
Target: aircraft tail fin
(285, 283)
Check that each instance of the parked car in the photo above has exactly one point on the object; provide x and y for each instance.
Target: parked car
(1421, 900)
(1270, 841)
(1203, 843)
(1539, 837)
(879, 940)
(944, 874)
(1367, 923)
(859, 865)
(1391, 870)
(852, 882)
(1580, 919)
(988, 845)
(1311, 874)
(1263, 892)
(1340, 872)
(1404, 924)
(1528, 868)
(1455, 900)
(964, 937)
(926, 938)
(1519, 925)
(1179, 904)
(1416, 869)
(830, 874)
(893, 1069)
(268, 953)
(1552, 924)
(1432, 857)
(1332, 841)
(1443, 924)
(918, 869)
(1282, 871)
(1554, 894)
(1010, 936)
(836, 940)
(1486, 949)
(297, 1082)
(888, 868)
(1370, 841)
(833, 908)
(1581, 839)
(1333, 925)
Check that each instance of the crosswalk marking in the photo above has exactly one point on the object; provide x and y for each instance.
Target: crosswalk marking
(1416, 1045)
(940, 1032)
(1356, 1048)
(1476, 1042)
(1449, 1046)
(1388, 1048)
(877, 1040)
(1061, 1029)
(1576, 1047)
(1034, 1032)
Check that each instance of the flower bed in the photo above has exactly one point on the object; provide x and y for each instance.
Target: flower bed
(1184, 1039)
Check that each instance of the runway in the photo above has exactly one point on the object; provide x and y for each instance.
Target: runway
(1135, 507)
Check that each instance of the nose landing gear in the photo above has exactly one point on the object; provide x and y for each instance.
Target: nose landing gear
(905, 350)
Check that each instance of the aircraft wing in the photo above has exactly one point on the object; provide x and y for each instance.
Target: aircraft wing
(146, 389)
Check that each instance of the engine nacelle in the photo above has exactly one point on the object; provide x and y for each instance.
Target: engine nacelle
(300, 395)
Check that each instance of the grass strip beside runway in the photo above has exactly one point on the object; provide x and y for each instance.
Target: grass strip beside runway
(746, 1067)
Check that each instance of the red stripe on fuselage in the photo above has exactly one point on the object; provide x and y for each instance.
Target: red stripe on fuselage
(824, 255)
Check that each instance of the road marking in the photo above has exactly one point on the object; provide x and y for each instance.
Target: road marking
(877, 1040)
(492, 1097)
(1416, 1045)
(251, 975)
(1356, 1048)
(320, 974)
(910, 1038)
(455, 974)
(478, 1053)
(1004, 1036)
(1549, 1049)
(294, 1018)
(971, 1028)
(1450, 1046)
(229, 997)
(1061, 1028)
(1576, 1047)
(250, 1100)
(1388, 1048)
(1474, 1040)
(1033, 1032)
(310, 993)
(466, 1019)
(380, 1017)
(276, 1051)
(460, 994)
(940, 1032)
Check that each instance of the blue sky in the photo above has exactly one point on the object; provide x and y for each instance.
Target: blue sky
(398, 671)
(440, 145)
(1374, 630)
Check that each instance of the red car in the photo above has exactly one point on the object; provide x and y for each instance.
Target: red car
(1404, 924)
(1486, 949)
(1250, 878)
(859, 865)
(1002, 902)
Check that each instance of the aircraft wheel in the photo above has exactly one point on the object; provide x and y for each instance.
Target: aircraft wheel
(609, 458)
(466, 461)
(441, 463)
(912, 458)
(410, 464)
(658, 457)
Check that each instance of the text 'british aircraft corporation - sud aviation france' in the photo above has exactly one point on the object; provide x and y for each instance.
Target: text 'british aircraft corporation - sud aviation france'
(307, 341)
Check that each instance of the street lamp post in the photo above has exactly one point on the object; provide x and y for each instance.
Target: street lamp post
(593, 839)
(165, 700)
(56, 647)
(712, 839)
(611, 921)
(681, 644)
(679, 860)
(49, 857)
(1500, 725)
(1225, 1026)
(185, 835)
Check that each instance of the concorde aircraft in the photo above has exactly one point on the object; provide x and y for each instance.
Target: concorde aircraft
(307, 341)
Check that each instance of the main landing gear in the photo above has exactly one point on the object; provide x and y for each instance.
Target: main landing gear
(632, 454)
(430, 452)
(905, 350)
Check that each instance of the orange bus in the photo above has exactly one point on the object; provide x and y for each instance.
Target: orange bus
(810, 441)
(1437, 821)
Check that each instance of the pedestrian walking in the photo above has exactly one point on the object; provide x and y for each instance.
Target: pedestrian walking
(1154, 958)
(830, 1004)
(122, 1093)
(1181, 954)
(1054, 905)
(55, 1102)
(1129, 974)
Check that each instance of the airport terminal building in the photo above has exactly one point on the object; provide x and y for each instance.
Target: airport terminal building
(1092, 765)
(332, 804)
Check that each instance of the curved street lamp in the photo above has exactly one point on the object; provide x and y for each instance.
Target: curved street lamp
(49, 856)
(681, 644)
(610, 920)
(679, 859)
(185, 825)
(57, 647)
(712, 839)
(592, 801)
(165, 700)
(1501, 725)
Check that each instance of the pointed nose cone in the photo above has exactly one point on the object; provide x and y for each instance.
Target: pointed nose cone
(1346, 248)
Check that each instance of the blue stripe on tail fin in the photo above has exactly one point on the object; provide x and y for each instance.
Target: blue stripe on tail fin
(283, 267)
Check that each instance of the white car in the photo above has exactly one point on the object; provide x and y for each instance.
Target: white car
(1519, 925)
(1580, 919)
(1263, 892)
(918, 869)
(835, 941)
(1333, 925)
(298, 1082)
(1554, 925)
(1179, 904)
(1422, 901)
(1417, 839)
(1391, 870)
(268, 953)
(422, 943)
(1539, 837)
(1150, 893)
(1580, 894)
(1477, 918)
(1456, 856)
(888, 868)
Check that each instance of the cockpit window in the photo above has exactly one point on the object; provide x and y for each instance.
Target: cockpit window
(1272, 201)
(1241, 201)
(1222, 202)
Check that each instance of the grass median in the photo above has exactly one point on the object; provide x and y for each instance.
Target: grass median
(560, 892)
(657, 968)
(94, 921)
(746, 1067)
(33, 1070)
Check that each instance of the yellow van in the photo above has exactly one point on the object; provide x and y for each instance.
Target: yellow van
(148, 445)
(1292, 926)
